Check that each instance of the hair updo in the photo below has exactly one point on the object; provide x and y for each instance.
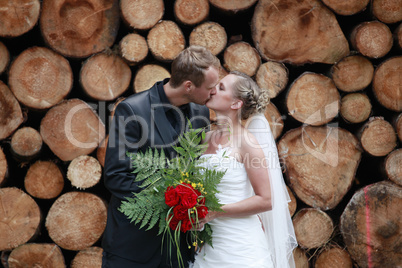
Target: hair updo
(254, 98)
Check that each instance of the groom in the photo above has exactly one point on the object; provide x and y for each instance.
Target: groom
(152, 119)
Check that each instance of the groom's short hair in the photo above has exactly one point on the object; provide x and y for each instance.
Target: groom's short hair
(191, 64)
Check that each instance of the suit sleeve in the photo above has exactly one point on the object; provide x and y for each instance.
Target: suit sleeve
(125, 135)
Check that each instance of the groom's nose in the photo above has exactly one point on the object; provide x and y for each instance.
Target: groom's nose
(213, 90)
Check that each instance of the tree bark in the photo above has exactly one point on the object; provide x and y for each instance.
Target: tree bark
(355, 108)
(275, 120)
(4, 57)
(334, 257)
(191, 12)
(387, 86)
(232, 6)
(26, 144)
(377, 137)
(346, 7)
(79, 29)
(88, 258)
(105, 76)
(20, 218)
(313, 99)
(71, 129)
(387, 11)
(10, 112)
(393, 166)
(142, 14)
(398, 126)
(36, 255)
(241, 56)
(44, 180)
(3, 167)
(352, 73)
(313, 227)
(273, 77)
(300, 258)
(398, 36)
(166, 41)
(18, 17)
(297, 32)
(133, 48)
(84, 172)
(372, 39)
(210, 35)
(76, 220)
(371, 225)
(147, 75)
(40, 78)
(320, 163)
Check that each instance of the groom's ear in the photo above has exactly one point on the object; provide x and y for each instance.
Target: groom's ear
(188, 85)
(237, 104)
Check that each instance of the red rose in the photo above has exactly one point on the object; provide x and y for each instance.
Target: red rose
(187, 195)
(202, 211)
(180, 212)
(171, 197)
(173, 222)
(186, 225)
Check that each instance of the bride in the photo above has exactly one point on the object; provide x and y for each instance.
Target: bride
(254, 229)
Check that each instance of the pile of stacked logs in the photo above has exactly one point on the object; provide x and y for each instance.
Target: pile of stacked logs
(333, 71)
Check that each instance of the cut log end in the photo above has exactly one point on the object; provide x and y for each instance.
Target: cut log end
(44, 180)
(4, 57)
(191, 12)
(313, 227)
(274, 119)
(301, 260)
(210, 35)
(242, 57)
(232, 6)
(142, 14)
(88, 258)
(26, 143)
(378, 137)
(10, 112)
(346, 7)
(273, 77)
(133, 48)
(387, 11)
(355, 108)
(398, 127)
(393, 166)
(84, 172)
(36, 255)
(148, 75)
(3, 167)
(334, 257)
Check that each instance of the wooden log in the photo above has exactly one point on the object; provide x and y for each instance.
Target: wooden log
(84, 172)
(352, 73)
(387, 11)
(4, 57)
(142, 14)
(293, 202)
(18, 17)
(166, 41)
(301, 260)
(133, 48)
(333, 257)
(88, 258)
(72, 128)
(10, 112)
(377, 137)
(26, 144)
(3, 167)
(37, 255)
(313, 99)
(398, 36)
(44, 180)
(387, 86)
(355, 108)
(346, 7)
(273, 77)
(147, 75)
(101, 151)
(398, 126)
(210, 35)
(79, 29)
(372, 39)
(297, 32)
(371, 225)
(105, 76)
(76, 220)
(393, 166)
(40, 78)
(232, 6)
(320, 163)
(274, 119)
(241, 56)
(313, 227)
(191, 12)
(20, 217)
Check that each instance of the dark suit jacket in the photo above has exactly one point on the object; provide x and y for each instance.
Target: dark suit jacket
(139, 123)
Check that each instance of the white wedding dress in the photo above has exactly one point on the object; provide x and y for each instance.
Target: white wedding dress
(237, 242)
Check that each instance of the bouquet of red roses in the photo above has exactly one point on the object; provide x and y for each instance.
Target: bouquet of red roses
(175, 194)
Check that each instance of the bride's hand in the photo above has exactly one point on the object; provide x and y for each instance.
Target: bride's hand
(209, 217)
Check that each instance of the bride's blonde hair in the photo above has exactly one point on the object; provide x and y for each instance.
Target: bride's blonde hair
(254, 98)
